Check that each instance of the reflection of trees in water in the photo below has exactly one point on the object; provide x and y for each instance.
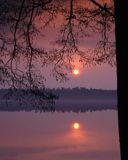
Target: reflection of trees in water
(91, 105)
(63, 106)
(85, 109)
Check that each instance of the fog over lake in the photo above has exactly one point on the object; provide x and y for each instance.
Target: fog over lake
(28, 133)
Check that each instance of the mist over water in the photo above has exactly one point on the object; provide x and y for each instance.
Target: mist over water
(30, 135)
(34, 133)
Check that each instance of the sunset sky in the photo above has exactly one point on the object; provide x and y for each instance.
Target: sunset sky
(100, 77)
(57, 41)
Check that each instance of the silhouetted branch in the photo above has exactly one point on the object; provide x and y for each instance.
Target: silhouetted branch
(16, 27)
(103, 8)
(24, 23)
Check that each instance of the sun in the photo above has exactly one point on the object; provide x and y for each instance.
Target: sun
(76, 72)
(76, 125)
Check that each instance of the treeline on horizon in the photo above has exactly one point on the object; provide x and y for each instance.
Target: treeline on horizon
(81, 92)
(78, 92)
(69, 99)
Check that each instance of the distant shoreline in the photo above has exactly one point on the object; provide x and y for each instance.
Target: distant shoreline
(70, 100)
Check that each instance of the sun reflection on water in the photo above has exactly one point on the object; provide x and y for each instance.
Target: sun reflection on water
(77, 133)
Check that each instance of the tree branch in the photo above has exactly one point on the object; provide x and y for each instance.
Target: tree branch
(16, 27)
(103, 8)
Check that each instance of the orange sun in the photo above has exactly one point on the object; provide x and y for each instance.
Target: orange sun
(76, 125)
(76, 71)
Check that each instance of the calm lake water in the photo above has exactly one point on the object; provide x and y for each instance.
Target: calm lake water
(51, 136)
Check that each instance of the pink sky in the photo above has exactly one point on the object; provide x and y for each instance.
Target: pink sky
(100, 77)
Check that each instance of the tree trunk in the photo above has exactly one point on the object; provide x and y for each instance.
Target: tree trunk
(121, 32)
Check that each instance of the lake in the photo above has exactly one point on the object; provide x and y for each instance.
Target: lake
(51, 135)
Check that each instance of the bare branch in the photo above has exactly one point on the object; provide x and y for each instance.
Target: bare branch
(104, 8)
(16, 27)
(24, 24)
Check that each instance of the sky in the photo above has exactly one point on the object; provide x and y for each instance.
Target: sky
(99, 77)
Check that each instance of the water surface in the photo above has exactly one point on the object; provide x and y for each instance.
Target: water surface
(50, 136)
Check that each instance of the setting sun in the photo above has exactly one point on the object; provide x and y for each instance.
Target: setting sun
(76, 71)
(76, 125)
